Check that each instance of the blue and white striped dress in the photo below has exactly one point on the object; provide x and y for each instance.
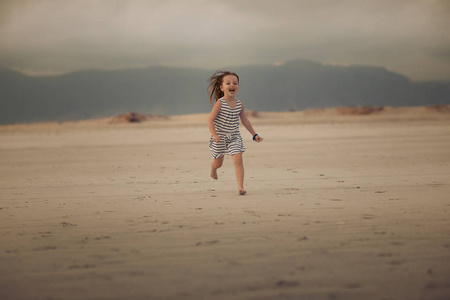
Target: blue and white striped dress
(226, 124)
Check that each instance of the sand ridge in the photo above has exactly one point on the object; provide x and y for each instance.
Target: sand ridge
(309, 116)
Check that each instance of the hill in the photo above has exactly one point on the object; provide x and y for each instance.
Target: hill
(296, 85)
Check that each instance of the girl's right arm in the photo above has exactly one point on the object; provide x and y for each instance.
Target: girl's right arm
(212, 116)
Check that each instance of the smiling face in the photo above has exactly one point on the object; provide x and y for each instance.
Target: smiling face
(229, 86)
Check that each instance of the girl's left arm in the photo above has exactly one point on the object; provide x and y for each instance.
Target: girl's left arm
(246, 122)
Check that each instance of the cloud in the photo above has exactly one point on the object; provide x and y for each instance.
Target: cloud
(60, 36)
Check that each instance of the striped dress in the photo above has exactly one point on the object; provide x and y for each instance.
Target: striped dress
(226, 124)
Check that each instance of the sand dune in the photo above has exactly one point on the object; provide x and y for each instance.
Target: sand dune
(322, 115)
(339, 206)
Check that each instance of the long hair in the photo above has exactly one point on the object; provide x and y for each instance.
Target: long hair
(215, 81)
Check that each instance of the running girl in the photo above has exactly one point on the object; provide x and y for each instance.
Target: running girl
(223, 124)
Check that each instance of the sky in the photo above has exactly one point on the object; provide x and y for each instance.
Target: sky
(46, 37)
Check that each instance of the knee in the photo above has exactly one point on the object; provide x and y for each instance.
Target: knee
(217, 163)
(237, 159)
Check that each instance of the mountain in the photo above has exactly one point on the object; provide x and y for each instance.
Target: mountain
(161, 90)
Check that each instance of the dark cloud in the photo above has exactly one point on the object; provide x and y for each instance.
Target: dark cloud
(60, 36)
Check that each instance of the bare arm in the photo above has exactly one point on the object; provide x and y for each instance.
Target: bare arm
(212, 117)
(246, 122)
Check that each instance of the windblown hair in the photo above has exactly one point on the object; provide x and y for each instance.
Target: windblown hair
(215, 81)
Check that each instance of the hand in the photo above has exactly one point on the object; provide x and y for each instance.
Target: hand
(216, 138)
(258, 139)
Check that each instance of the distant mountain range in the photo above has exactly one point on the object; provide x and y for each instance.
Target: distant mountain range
(295, 85)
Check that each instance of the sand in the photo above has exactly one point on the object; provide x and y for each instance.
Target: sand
(338, 207)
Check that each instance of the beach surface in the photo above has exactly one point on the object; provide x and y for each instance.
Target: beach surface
(339, 206)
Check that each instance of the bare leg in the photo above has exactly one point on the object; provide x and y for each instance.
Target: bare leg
(216, 163)
(239, 169)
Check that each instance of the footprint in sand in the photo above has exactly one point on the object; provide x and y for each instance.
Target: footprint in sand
(207, 243)
(396, 262)
(352, 286)
(65, 224)
(287, 283)
(82, 266)
(102, 237)
(368, 217)
(45, 248)
(385, 254)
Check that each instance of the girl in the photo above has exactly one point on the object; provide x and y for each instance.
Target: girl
(223, 124)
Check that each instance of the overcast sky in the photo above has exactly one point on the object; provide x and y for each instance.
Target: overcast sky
(411, 37)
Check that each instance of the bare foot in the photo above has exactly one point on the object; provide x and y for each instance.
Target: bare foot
(214, 173)
(242, 192)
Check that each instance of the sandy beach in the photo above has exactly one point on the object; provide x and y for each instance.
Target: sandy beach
(339, 206)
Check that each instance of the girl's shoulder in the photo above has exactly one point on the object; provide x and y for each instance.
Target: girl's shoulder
(218, 103)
